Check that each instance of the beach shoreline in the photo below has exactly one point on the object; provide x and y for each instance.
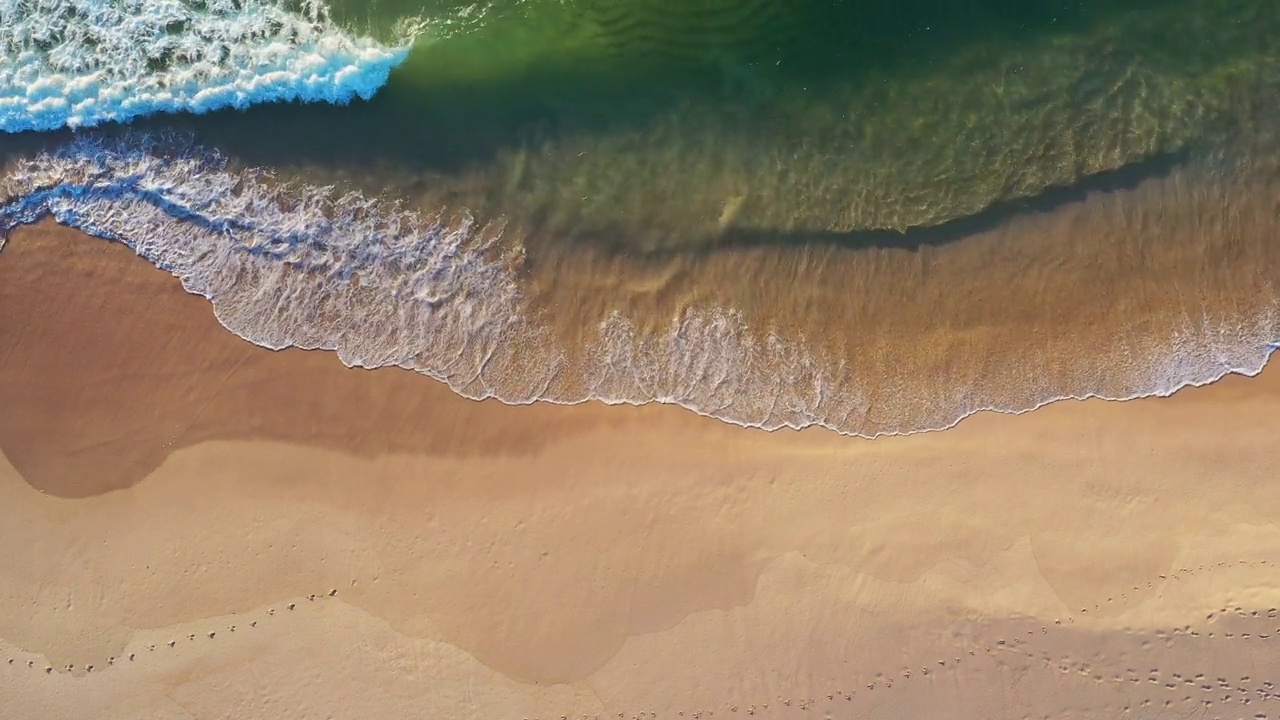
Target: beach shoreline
(168, 481)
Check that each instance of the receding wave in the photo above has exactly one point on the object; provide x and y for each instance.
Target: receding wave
(79, 63)
(382, 285)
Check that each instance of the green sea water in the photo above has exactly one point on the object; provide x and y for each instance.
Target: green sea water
(484, 71)
(657, 125)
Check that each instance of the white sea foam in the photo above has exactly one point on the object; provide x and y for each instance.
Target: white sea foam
(295, 266)
(76, 63)
(300, 266)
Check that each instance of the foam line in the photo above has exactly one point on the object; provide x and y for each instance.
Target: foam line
(298, 266)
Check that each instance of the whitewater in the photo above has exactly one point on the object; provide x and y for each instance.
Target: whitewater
(294, 265)
(81, 63)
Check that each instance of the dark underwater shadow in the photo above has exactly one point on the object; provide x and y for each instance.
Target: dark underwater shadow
(995, 216)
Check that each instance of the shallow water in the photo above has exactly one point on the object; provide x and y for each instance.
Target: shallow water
(876, 217)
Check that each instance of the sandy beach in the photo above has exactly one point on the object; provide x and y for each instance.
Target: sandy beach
(203, 528)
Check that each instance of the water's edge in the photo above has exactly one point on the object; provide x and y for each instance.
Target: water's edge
(278, 266)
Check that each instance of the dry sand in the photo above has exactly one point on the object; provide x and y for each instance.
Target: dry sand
(223, 531)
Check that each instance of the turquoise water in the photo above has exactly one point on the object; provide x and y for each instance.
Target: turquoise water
(477, 190)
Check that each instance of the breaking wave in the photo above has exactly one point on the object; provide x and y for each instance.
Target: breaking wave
(291, 265)
(79, 63)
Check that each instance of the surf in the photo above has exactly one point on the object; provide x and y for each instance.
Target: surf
(82, 63)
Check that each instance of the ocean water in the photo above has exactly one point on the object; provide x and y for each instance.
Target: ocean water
(873, 217)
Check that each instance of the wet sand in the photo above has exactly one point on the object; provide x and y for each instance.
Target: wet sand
(156, 373)
(221, 530)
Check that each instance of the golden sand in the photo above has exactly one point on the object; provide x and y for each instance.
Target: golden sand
(225, 531)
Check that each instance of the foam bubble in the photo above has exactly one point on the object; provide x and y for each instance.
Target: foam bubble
(78, 63)
(290, 265)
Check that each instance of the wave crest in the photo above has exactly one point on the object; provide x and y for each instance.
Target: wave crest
(79, 63)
